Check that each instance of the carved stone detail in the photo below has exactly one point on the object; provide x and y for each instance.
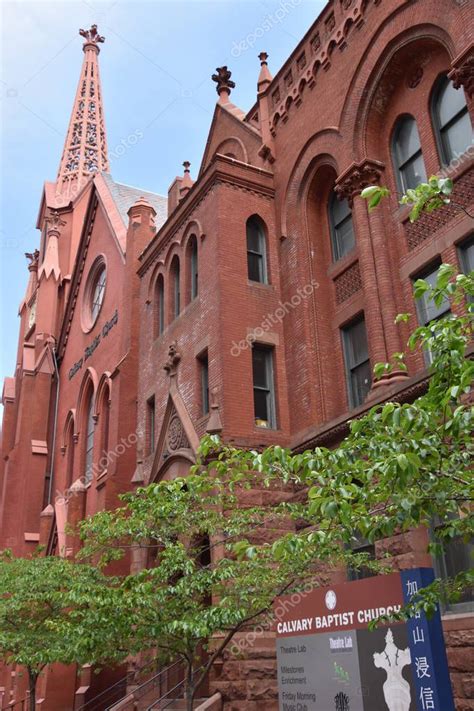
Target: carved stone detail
(415, 77)
(176, 436)
(174, 356)
(54, 221)
(91, 36)
(462, 73)
(223, 80)
(357, 177)
(33, 257)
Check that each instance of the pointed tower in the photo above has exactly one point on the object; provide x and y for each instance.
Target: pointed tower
(85, 148)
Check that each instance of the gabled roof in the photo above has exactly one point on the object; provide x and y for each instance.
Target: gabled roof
(124, 197)
(238, 116)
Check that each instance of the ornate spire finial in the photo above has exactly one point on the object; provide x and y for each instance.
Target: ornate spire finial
(85, 148)
(264, 78)
(224, 83)
(186, 181)
(92, 36)
(33, 259)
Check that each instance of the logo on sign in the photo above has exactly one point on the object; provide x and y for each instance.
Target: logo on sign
(330, 599)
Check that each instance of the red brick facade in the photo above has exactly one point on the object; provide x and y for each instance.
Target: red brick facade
(323, 125)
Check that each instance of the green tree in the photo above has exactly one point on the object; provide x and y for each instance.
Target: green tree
(202, 582)
(53, 610)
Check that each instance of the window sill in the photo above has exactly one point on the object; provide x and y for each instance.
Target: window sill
(102, 475)
(337, 268)
(260, 285)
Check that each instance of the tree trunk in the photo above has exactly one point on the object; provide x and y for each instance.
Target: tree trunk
(33, 678)
(190, 690)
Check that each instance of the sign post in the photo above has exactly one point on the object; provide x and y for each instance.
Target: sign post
(328, 659)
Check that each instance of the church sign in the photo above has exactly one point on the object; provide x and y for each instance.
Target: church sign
(89, 350)
(328, 659)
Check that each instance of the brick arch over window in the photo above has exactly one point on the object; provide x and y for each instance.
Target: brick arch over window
(68, 445)
(156, 300)
(174, 291)
(325, 147)
(257, 249)
(102, 414)
(191, 266)
(379, 71)
(86, 423)
(234, 148)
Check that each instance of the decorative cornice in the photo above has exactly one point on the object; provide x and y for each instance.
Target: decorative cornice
(357, 177)
(328, 436)
(313, 53)
(462, 73)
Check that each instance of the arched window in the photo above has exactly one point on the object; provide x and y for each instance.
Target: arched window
(256, 251)
(98, 291)
(451, 120)
(193, 267)
(159, 306)
(407, 155)
(342, 229)
(94, 293)
(70, 452)
(89, 439)
(176, 286)
(104, 428)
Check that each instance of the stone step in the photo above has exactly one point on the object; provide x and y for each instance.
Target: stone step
(176, 705)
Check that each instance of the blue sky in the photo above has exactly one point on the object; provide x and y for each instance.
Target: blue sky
(155, 67)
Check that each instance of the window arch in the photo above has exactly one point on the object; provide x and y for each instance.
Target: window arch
(104, 414)
(89, 431)
(451, 120)
(69, 443)
(193, 270)
(407, 154)
(342, 228)
(175, 272)
(159, 306)
(256, 250)
(94, 293)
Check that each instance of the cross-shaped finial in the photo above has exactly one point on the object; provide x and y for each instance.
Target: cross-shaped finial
(223, 80)
(91, 36)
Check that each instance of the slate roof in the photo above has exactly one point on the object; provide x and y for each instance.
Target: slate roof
(125, 195)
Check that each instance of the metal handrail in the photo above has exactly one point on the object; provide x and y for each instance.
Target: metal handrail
(161, 698)
(113, 686)
(12, 704)
(149, 681)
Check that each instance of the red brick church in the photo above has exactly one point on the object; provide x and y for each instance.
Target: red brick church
(251, 302)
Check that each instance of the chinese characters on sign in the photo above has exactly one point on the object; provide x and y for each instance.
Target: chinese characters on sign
(328, 659)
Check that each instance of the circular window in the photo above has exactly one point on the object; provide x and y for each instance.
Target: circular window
(94, 294)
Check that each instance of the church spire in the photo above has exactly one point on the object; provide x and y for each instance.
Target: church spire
(85, 148)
